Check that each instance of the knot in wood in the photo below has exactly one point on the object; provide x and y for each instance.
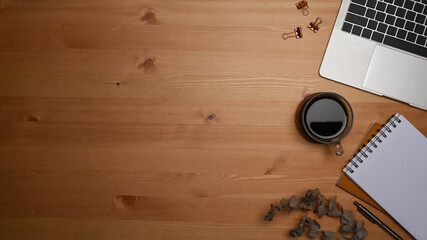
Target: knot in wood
(34, 118)
(149, 62)
(148, 17)
(129, 200)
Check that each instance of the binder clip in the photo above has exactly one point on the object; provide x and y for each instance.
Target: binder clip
(297, 33)
(302, 5)
(314, 26)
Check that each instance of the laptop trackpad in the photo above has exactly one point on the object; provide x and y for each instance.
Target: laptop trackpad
(398, 75)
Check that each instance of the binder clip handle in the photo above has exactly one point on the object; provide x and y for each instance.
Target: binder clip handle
(297, 33)
(302, 5)
(314, 26)
(305, 12)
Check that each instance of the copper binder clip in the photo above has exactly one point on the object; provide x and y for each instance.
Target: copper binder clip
(302, 5)
(314, 26)
(297, 33)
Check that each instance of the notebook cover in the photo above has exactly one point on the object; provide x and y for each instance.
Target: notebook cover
(393, 172)
(345, 183)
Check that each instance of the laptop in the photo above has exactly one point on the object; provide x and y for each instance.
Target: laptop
(380, 46)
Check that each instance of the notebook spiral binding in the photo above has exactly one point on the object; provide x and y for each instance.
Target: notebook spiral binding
(374, 143)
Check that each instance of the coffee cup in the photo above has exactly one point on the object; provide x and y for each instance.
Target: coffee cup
(325, 118)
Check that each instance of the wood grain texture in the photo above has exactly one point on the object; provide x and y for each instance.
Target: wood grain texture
(165, 119)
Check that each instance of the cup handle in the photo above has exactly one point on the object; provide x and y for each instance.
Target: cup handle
(337, 148)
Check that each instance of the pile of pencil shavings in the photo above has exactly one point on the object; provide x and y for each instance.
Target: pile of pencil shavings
(317, 202)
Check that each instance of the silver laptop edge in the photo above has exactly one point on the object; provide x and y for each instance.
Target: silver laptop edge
(347, 59)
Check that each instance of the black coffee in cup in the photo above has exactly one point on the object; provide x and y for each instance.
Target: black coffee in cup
(325, 117)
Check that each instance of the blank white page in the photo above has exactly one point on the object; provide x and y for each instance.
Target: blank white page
(395, 175)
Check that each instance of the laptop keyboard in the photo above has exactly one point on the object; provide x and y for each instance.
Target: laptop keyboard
(397, 23)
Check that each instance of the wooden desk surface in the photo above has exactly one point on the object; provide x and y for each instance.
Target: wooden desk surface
(104, 119)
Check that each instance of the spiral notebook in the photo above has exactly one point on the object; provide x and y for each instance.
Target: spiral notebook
(345, 183)
(392, 170)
